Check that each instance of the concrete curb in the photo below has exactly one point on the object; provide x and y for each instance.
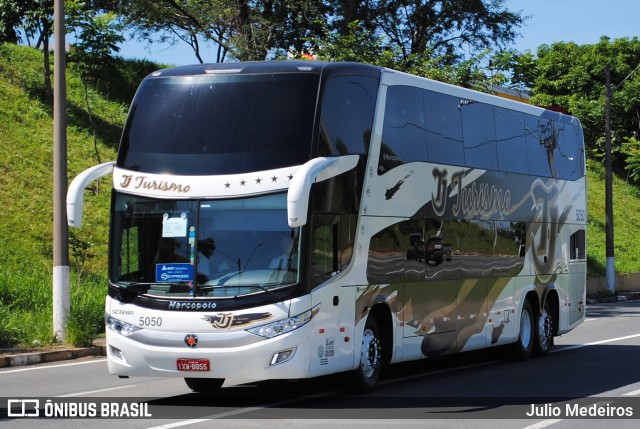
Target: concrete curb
(624, 296)
(50, 356)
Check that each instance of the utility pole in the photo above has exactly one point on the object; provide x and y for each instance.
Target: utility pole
(608, 186)
(61, 295)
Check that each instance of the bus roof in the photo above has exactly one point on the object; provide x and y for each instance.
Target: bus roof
(255, 67)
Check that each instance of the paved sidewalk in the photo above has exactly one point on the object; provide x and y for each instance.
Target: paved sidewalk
(18, 357)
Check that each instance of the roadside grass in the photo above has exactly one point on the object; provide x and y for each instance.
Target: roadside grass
(26, 317)
(26, 190)
(626, 223)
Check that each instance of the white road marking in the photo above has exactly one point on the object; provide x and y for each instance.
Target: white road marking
(595, 343)
(181, 423)
(634, 393)
(90, 392)
(543, 424)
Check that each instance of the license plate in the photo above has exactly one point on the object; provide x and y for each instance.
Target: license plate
(193, 365)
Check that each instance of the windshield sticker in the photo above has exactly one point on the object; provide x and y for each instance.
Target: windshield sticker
(174, 272)
(192, 245)
(174, 227)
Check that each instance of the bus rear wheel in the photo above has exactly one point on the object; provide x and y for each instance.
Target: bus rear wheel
(544, 331)
(204, 385)
(524, 345)
(367, 374)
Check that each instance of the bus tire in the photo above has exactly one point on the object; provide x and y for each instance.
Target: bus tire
(367, 374)
(204, 385)
(544, 331)
(523, 347)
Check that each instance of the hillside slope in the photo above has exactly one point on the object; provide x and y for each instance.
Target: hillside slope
(626, 222)
(26, 190)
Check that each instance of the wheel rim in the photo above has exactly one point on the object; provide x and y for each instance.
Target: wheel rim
(369, 354)
(545, 326)
(526, 328)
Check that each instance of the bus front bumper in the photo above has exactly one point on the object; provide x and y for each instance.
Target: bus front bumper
(282, 357)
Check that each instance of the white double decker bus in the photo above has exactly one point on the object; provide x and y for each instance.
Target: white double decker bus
(286, 220)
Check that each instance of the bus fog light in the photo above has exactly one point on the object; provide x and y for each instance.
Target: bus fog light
(117, 353)
(282, 356)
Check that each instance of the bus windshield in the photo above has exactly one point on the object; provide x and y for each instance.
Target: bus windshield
(203, 247)
(220, 124)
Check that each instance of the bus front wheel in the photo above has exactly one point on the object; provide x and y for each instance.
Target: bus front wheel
(524, 345)
(366, 375)
(204, 385)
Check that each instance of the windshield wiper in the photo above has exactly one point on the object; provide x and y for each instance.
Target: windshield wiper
(132, 290)
(275, 296)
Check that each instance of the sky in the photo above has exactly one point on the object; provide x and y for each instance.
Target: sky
(550, 21)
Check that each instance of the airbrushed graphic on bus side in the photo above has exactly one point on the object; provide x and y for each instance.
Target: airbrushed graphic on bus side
(459, 295)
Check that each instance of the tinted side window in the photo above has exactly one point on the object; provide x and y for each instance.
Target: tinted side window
(444, 128)
(386, 255)
(403, 135)
(540, 145)
(577, 243)
(347, 115)
(510, 140)
(568, 154)
(479, 131)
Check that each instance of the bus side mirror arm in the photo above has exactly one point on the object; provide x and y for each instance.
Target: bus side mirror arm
(315, 170)
(75, 193)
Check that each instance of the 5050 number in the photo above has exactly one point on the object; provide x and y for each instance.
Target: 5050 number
(150, 321)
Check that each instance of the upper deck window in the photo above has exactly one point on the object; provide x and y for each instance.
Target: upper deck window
(220, 124)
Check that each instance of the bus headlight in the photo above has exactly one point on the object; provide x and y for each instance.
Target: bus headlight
(283, 326)
(123, 328)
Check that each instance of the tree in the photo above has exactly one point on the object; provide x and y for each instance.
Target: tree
(240, 29)
(572, 77)
(11, 17)
(445, 28)
(92, 20)
(359, 45)
(97, 36)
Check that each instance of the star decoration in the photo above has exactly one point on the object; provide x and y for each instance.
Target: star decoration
(258, 180)
(274, 179)
(227, 185)
(243, 182)
(290, 176)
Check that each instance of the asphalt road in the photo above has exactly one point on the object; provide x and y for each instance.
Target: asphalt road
(593, 369)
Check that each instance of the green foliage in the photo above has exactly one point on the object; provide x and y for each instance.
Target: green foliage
(86, 318)
(631, 150)
(98, 35)
(26, 163)
(626, 217)
(359, 45)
